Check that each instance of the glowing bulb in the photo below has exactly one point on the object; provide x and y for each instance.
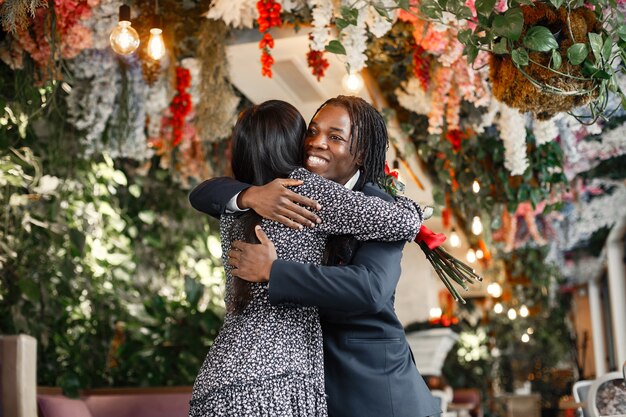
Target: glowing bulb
(471, 256)
(523, 311)
(477, 226)
(530, 330)
(455, 240)
(525, 338)
(435, 313)
(476, 187)
(479, 254)
(494, 289)
(498, 308)
(512, 314)
(353, 82)
(124, 39)
(156, 46)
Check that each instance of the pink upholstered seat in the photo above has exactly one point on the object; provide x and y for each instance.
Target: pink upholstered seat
(60, 406)
(141, 403)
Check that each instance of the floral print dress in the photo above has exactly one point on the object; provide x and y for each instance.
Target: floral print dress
(267, 361)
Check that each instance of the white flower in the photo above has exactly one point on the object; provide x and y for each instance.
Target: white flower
(322, 12)
(512, 125)
(354, 40)
(47, 185)
(289, 6)
(545, 131)
(235, 13)
(379, 25)
(412, 97)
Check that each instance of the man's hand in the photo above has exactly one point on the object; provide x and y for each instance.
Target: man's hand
(252, 262)
(275, 202)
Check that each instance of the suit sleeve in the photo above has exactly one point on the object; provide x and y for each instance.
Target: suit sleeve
(362, 287)
(212, 196)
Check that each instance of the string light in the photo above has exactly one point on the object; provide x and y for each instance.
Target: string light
(530, 330)
(156, 46)
(471, 256)
(353, 82)
(523, 311)
(435, 313)
(479, 254)
(124, 39)
(477, 226)
(512, 314)
(455, 240)
(525, 338)
(494, 289)
(476, 187)
(498, 308)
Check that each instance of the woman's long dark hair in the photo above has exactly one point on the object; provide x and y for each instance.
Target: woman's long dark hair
(369, 141)
(267, 144)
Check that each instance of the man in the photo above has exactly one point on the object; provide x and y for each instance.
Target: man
(369, 369)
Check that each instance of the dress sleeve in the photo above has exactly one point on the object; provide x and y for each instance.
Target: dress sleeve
(346, 212)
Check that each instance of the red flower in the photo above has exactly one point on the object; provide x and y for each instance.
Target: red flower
(421, 67)
(455, 137)
(317, 63)
(269, 16)
(392, 172)
(181, 105)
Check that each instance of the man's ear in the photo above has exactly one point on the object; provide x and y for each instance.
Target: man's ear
(359, 159)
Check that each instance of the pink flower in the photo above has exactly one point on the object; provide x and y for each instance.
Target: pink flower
(75, 40)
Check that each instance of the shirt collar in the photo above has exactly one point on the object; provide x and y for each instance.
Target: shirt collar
(352, 182)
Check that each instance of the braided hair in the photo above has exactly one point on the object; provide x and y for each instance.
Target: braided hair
(368, 137)
(369, 142)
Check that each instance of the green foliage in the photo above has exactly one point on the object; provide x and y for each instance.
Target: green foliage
(76, 258)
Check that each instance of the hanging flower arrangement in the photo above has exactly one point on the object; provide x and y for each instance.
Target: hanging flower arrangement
(269, 17)
(181, 104)
(546, 57)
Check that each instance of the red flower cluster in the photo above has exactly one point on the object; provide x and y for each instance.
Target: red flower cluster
(180, 106)
(393, 172)
(421, 67)
(317, 63)
(455, 137)
(269, 17)
(444, 321)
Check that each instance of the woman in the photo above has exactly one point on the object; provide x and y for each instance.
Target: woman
(267, 360)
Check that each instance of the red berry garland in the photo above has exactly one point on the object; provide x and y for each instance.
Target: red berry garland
(421, 67)
(180, 106)
(317, 63)
(269, 17)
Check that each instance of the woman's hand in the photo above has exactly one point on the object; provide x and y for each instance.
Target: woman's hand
(252, 262)
(275, 202)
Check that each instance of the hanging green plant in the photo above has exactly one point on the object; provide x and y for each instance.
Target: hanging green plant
(547, 56)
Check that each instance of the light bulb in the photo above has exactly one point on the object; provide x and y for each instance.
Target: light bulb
(530, 330)
(525, 338)
(471, 256)
(435, 313)
(476, 187)
(494, 289)
(455, 240)
(124, 39)
(479, 254)
(156, 46)
(353, 82)
(523, 311)
(512, 314)
(498, 308)
(477, 226)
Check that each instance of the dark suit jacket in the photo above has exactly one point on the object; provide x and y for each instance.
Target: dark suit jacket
(369, 367)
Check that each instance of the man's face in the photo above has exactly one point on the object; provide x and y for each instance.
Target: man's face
(327, 145)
